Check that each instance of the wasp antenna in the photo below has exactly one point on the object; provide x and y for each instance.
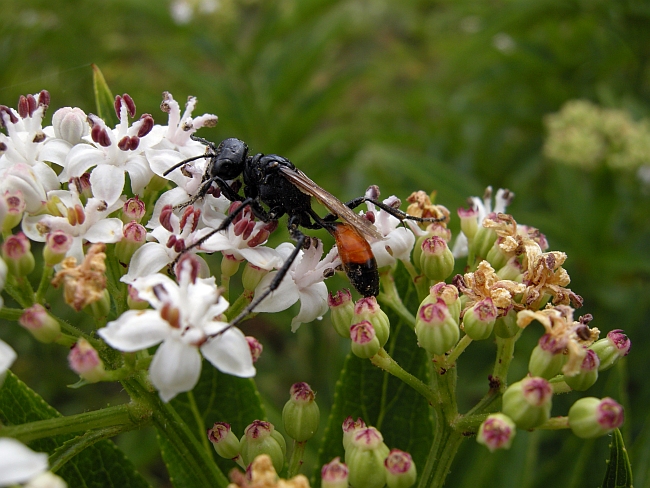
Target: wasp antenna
(178, 165)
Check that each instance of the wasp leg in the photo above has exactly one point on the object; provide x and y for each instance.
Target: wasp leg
(300, 239)
(395, 212)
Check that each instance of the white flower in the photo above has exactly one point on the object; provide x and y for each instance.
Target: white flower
(185, 319)
(398, 240)
(113, 153)
(304, 282)
(87, 223)
(483, 208)
(18, 463)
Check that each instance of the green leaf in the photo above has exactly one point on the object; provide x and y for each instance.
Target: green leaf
(217, 397)
(383, 401)
(619, 470)
(100, 464)
(104, 99)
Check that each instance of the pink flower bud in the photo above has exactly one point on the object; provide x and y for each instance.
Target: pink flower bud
(85, 361)
(40, 324)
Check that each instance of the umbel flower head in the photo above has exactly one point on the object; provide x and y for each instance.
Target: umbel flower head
(186, 319)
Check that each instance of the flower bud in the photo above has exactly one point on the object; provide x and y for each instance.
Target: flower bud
(512, 270)
(436, 260)
(400, 469)
(435, 328)
(368, 309)
(341, 311)
(255, 346)
(350, 426)
(57, 245)
(15, 204)
(85, 361)
(70, 124)
(588, 373)
(223, 440)
(101, 307)
(449, 294)
(134, 237)
(134, 301)
(133, 209)
(40, 324)
(17, 254)
(365, 343)
(591, 417)
(260, 437)
(547, 357)
(496, 256)
(496, 432)
(482, 243)
(252, 275)
(365, 459)
(615, 346)
(229, 265)
(506, 325)
(478, 321)
(528, 402)
(334, 474)
(300, 414)
(469, 221)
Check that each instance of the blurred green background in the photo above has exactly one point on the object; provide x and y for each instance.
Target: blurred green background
(446, 95)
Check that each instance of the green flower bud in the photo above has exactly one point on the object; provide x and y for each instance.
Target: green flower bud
(14, 205)
(496, 432)
(436, 260)
(482, 243)
(252, 275)
(134, 237)
(615, 346)
(260, 437)
(448, 294)
(57, 244)
(435, 328)
(528, 402)
(400, 469)
(547, 357)
(365, 343)
(85, 361)
(229, 265)
(350, 426)
(591, 417)
(478, 321)
(496, 256)
(368, 309)
(588, 373)
(341, 311)
(512, 270)
(224, 441)
(300, 414)
(469, 221)
(17, 254)
(506, 325)
(334, 474)
(40, 324)
(101, 307)
(365, 459)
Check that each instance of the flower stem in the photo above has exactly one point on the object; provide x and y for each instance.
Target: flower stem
(556, 423)
(296, 458)
(458, 350)
(383, 360)
(46, 277)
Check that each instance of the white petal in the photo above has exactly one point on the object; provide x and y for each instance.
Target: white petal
(80, 159)
(175, 368)
(313, 304)
(55, 151)
(140, 173)
(7, 357)
(230, 353)
(18, 463)
(135, 330)
(46, 176)
(107, 182)
(282, 298)
(262, 257)
(106, 230)
(146, 260)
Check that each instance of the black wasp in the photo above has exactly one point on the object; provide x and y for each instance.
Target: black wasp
(274, 181)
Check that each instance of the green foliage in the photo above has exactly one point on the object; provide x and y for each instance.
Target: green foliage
(619, 471)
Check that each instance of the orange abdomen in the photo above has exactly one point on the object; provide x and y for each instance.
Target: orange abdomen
(357, 258)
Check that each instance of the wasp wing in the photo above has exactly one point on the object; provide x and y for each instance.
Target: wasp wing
(333, 204)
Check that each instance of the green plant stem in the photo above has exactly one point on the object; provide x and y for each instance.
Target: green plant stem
(129, 416)
(443, 450)
(505, 353)
(383, 360)
(20, 290)
(44, 284)
(179, 437)
(390, 297)
(469, 424)
(10, 313)
(240, 304)
(458, 350)
(75, 446)
(555, 423)
(296, 458)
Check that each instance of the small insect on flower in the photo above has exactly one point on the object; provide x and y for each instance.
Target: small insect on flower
(275, 182)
